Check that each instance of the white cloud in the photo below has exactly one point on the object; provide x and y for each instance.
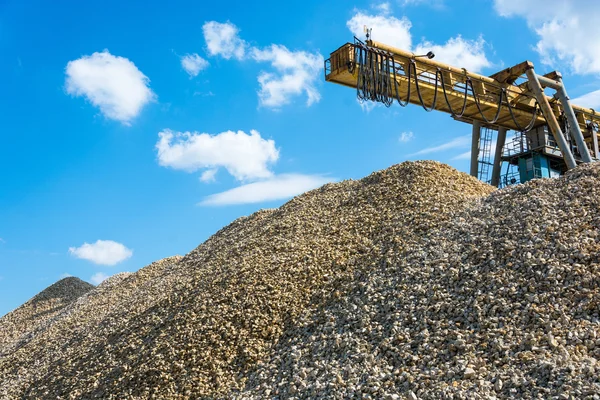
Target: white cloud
(457, 51)
(293, 72)
(204, 94)
(279, 187)
(467, 154)
(406, 137)
(431, 3)
(98, 278)
(366, 105)
(536, 10)
(193, 64)
(65, 275)
(297, 73)
(458, 142)
(245, 156)
(589, 100)
(389, 30)
(566, 35)
(222, 39)
(392, 31)
(113, 84)
(103, 252)
(463, 156)
(383, 8)
(208, 175)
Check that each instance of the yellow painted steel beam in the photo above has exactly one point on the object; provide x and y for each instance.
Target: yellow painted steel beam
(486, 88)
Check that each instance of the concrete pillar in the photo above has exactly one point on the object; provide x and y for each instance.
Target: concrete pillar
(497, 156)
(475, 148)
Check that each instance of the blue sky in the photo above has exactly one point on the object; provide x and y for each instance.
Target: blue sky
(132, 131)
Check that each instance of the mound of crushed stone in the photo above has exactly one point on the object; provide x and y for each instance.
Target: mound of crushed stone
(108, 303)
(415, 282)
(44, 306)
(500, 301)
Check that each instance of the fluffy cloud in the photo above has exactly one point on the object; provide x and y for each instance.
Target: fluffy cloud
(296, 73)
(193, 64)
(103, 252)
(293, 72)
(113, 84)
(406, 137)
(390, 30)
(98, 278)
(245, 156)
(279, 187)
(209, 175)
(384, 8)
(566, 35)
(222, 39)
(386, 29)
(535, 10)
(457, 51)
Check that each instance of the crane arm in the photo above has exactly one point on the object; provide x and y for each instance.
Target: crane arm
(386, 74)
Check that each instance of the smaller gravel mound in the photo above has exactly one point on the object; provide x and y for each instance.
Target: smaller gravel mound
(40, 308)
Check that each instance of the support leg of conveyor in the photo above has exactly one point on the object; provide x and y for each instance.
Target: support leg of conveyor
(595, 145)
(475, 148)
(536, 87)
(573, 123)
(498, 156)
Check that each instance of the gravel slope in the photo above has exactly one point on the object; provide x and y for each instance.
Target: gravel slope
(415, 282)
(500, 301)
(42, 307)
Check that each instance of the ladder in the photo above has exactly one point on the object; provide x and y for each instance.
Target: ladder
(485, 154)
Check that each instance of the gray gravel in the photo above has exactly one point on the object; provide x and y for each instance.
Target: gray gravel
(417, 282)
(41, 308)
(500, 301)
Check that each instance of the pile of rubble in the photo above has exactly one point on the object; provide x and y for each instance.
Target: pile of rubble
(415, 282)
(41, 308)
(60, 334)
(500, 301)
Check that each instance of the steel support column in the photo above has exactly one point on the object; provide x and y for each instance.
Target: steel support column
(475, 148)
(595, 145)
(574, 128)
(498, 156)
(536, 87)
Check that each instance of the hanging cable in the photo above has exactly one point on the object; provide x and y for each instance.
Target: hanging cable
(377, 80)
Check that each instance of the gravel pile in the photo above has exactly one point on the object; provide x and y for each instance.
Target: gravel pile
(415, 282)
(44, 306)
(500, 301)
(107, 304)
